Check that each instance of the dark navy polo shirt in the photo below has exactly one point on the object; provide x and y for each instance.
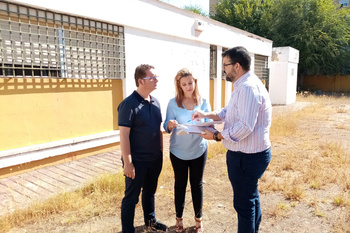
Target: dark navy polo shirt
(144, 119)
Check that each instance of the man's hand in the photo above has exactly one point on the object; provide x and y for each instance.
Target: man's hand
(198, 115)
(207, 135)
(129, 170)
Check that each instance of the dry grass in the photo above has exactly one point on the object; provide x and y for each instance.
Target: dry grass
(309, 160)
(279, 210)
(91, 200)
(305, 162)
(342, 225)
(215, 148)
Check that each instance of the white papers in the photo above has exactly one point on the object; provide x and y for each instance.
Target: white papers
(184, 129)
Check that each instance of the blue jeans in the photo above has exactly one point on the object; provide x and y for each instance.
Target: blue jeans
(244, 171)
(146, 178)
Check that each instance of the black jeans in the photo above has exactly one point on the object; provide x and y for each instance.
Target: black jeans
(146, 177)
(195, 168)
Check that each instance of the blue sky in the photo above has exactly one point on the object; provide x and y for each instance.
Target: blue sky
(204, 4)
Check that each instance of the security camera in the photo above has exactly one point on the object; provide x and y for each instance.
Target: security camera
(199, 26)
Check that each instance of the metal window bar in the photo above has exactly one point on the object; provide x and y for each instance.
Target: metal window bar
(223, 76)
(261, 68)
(41, 43)
(213, 61)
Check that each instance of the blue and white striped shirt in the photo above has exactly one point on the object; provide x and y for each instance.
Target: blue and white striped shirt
(247, 116)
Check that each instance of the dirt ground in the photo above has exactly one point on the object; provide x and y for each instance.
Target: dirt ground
(218, 213)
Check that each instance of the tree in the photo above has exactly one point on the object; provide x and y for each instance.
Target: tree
(248, 15)
(196, 9)
(317, 28)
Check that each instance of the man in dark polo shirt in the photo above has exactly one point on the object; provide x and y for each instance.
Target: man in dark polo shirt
(141, 145)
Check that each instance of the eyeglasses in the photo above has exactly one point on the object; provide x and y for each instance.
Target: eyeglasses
(151, 78)
(224, 65)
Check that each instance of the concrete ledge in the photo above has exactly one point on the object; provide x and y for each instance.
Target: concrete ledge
(42, 151)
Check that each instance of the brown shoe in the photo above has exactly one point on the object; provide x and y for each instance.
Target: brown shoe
(199, 225)
(179, 225)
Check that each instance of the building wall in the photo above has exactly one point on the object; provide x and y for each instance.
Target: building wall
(212, 86)
(168, 55)
(35, 111)
(212, 3)
(169, 38)
(328, 83)
(223, 92)
(56, 114)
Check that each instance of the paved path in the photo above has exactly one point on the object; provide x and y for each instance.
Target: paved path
(21, 190)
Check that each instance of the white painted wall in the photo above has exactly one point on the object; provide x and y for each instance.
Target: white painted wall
(159, 34)
(168, 55)
(283, 75)
(166, 37)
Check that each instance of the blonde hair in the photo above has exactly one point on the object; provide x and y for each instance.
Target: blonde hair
(179, 94)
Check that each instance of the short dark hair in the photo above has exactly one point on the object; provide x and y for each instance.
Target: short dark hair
(140, 72)
(239, 55)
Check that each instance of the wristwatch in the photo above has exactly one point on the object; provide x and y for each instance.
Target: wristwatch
(215, 136)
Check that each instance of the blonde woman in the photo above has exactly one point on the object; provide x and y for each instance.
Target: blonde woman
(188, 153)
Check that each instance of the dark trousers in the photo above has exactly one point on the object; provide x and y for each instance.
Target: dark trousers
(195, 168)
(146, 178)
(244, 170)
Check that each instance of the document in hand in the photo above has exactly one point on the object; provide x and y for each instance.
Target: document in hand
(184, 129)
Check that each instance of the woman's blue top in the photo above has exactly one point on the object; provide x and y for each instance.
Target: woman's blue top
(189, 146)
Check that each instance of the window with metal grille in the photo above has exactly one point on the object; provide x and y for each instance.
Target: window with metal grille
(42, 43)
(261, 68)
(213, 61)
(223, 76)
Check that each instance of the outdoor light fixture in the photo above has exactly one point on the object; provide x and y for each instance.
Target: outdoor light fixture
(199, 25)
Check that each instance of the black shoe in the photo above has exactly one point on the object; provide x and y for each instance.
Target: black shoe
(156, 225)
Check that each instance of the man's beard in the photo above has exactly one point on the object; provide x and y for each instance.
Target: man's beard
(229, 79)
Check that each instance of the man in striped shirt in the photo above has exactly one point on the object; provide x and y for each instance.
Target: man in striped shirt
(247, 121)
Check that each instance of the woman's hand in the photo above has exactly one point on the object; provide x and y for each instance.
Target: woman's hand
(171, 125)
